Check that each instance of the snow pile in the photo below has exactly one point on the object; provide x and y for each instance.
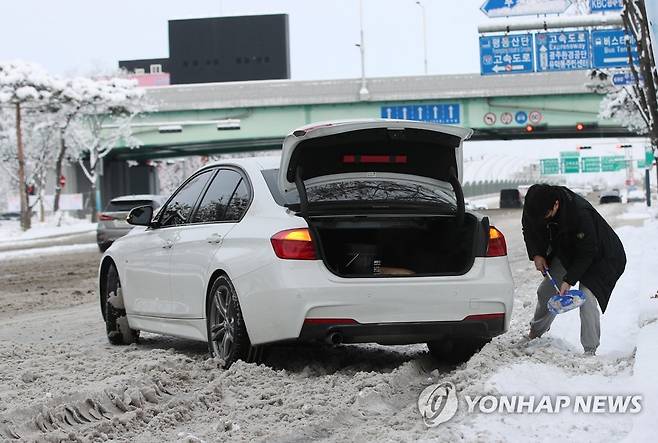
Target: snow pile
(637, 211)
(55, 225)
(46, 251)
(626, 362)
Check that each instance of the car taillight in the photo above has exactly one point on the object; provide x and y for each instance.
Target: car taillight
(105, 217)
(497, 246)
(294, 244)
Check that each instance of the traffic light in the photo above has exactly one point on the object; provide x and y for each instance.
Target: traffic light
(580, 127)
(529, 128)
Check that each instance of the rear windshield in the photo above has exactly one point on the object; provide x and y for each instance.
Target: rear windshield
(127, 205)
(370, 190)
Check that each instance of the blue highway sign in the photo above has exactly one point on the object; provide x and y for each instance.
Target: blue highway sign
(609, 48)
(563, 51)
(506, 8)
(606, 5)
(622, 78)
(444, 113)
(506, 54)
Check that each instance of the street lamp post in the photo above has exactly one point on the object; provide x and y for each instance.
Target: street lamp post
(422, 8)
(364, 94)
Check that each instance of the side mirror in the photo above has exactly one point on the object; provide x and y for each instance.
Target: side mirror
(140, 216)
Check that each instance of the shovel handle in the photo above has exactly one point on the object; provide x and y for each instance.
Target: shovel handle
(547, 273)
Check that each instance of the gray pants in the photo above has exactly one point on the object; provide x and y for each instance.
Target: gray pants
(590, 326)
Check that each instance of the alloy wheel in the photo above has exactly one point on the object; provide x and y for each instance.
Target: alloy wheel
(222, 329)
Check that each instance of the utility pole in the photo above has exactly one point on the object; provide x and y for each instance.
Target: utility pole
(422, 8)
(364, 94)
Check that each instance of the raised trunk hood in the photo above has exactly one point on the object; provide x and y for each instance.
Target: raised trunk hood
(364, 148)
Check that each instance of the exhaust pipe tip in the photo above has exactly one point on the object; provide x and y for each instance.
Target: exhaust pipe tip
(334, 338)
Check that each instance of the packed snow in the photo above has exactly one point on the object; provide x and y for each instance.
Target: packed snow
(61, 380)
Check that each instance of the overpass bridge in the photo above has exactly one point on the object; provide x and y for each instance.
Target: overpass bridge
(220, 118)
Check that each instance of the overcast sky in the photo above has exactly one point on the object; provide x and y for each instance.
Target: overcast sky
(83, 36)
(71, 37)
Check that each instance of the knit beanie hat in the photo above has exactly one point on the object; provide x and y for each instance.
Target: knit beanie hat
(540, 199)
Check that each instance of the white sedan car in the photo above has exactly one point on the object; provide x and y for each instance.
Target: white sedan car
(358, 233)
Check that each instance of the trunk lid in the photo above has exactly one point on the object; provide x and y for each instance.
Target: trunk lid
(362, 150)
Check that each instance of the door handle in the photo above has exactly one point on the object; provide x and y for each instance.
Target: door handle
(214, 239)
(168, 244)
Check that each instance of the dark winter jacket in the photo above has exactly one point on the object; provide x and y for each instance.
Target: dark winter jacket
(586, 245)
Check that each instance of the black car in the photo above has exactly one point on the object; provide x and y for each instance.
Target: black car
(610, 197)
(510, 198)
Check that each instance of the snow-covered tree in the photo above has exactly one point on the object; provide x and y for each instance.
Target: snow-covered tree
(66, 104)
(620, 104)
(635, 106)
(39, 131)
(172, 172)
(23, 86)
(102, 121)
(643, 92)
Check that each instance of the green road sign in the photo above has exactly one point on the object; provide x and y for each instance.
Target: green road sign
(549, 166)
(648, 158)
(591, 164)
(569, 154)
(613, 163)
(571, 165)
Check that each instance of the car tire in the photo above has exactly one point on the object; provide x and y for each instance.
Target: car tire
(227, 334)
(456, 350)
(116, 322)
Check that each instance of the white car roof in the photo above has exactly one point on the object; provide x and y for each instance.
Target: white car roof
(261, 162)
(132, 197)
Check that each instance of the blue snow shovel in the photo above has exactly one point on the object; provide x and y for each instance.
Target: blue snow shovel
(559, 304)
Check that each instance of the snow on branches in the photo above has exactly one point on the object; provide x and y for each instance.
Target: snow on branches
(42, 118)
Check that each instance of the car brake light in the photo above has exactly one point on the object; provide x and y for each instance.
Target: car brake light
(294, 244)
(105, 217)
(497, 246)
(374, 159)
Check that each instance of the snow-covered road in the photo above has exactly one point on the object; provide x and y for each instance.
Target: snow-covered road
(61, 380)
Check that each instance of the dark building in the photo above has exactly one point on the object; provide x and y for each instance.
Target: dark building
(222, 49)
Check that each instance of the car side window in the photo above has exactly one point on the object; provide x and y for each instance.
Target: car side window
(239, 202)
(217, 202)
(180, 207)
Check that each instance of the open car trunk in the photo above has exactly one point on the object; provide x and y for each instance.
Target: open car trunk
(401, 246)
(383, 197)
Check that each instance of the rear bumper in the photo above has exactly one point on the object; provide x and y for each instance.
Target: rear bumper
(402, 333)
(278, 299)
